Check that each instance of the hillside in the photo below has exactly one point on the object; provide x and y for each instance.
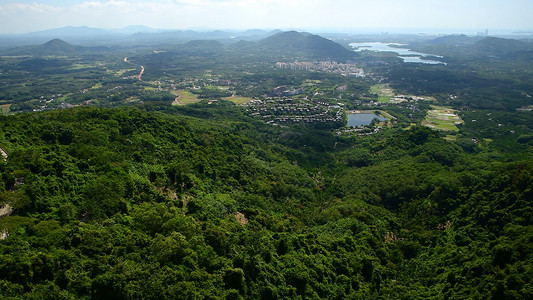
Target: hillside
(204, 202)
(305, 44)
(52, 47)
(468, 46)
(454, 40)
(498, 46)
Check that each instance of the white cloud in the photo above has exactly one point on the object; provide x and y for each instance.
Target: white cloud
(26, 16)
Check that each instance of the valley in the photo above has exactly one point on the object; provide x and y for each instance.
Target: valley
(278, 165)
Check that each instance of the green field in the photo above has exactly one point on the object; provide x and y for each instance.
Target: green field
(121, 72)
(384, 92)
(381, 90)
(384, 99)
(80, 66)
(442, 118)
(238, 100)
(184, 97)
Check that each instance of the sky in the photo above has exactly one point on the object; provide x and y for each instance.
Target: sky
(312, 15)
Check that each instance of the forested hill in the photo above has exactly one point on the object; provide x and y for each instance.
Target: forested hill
(204, 202)
(53, 47)
(306, 44)
(474, 46)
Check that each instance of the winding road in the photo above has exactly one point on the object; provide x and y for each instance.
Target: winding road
(142, 68)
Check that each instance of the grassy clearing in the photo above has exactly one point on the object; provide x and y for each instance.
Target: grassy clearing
(96, 86)
(184, 97)
(81, 66)
(381, 90)
(238, 100)
(4, 108)
(384, 92)
(384, 99)
(121, 72)
(132, 99)
(442, 118)
(451, 138)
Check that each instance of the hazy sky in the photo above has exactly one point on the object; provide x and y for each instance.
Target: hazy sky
(397, 15)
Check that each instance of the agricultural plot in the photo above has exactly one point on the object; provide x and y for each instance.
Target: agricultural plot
(386, 95)
(238, 100)
(442, 118)
(122, 71)
(184, 97)
(384, 92)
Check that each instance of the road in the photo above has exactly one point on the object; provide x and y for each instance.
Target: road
(141, 74)
(142, 68)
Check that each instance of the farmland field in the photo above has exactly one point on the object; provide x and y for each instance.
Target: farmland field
(238, 100)
(442, 118)
(184, 97)
(384, 92)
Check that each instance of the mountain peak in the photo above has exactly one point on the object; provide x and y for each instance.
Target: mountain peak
(307, 44)
(57, 42)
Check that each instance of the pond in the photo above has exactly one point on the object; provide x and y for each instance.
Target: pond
(359, 119)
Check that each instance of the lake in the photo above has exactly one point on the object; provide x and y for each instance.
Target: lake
(360, 119)
(405, 54)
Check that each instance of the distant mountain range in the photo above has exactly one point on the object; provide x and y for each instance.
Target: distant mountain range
(69, 31)
(130, 35)
(291, 42)
(84, 31)
(275, 42)
(475, 46)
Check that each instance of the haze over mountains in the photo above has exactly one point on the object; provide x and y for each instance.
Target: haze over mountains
(53, 47)
(135, 34)
(83, 40)
(477, 46)
(302, 43)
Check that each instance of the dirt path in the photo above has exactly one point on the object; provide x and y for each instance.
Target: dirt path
(141, 74)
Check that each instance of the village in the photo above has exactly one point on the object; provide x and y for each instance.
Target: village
(279, 110)
(347, 69)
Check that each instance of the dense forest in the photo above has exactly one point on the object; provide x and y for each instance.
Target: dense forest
(140, 173)
(205, 202)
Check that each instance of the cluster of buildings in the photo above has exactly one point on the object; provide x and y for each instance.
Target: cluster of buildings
(286, 91)
(287, 110)
(359, 130)
(347, 69)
